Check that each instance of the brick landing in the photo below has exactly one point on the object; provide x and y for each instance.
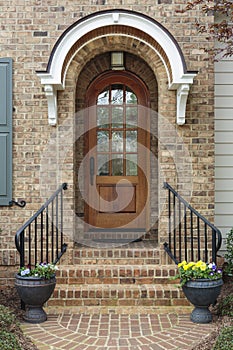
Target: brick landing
(117, 298)
(117, 329)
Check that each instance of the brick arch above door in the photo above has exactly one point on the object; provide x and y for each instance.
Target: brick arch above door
(100, 64)
(120, 23)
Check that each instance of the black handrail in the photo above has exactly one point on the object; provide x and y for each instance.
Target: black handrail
(191, 236)
(41, 237)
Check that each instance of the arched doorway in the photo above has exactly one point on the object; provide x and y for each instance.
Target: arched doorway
(97, 35)
(116, 153)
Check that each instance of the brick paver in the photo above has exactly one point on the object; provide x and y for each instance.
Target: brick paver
(69, 329)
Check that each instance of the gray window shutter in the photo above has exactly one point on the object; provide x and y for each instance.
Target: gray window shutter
(5, 131)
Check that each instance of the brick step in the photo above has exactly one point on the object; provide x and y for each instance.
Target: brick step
(141, 253)
(118, 295)
(116, 274)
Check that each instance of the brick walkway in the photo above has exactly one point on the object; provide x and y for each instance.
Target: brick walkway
(111, 330)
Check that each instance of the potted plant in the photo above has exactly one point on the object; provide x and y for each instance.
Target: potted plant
(35, 286)
(201, 283)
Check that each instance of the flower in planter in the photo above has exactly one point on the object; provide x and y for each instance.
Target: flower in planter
(197, 270)
(43, 270)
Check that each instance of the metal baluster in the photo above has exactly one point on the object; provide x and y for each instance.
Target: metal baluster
(52, 229)
(57, 221)
(174, 225)
(214, 254)
(191, 243)
(47, 234)
(29, 246)
(35, 241)
(169, 218)
(180, 230)
(198, 239)
(41, 237)
(22, 249)
(61, 226)
(185, 233)
(206, 242)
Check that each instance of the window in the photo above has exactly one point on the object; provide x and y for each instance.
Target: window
(117, 116)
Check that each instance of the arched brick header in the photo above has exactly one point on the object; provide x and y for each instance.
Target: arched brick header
(123, 23)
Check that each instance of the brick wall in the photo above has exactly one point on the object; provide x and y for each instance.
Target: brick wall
(29, 30)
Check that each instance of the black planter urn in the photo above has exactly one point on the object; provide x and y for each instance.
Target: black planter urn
(202, 293)
(34, 292)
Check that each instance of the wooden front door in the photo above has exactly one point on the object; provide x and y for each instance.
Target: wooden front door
(117, 147)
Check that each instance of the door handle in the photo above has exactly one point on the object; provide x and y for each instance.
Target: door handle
(92, 170)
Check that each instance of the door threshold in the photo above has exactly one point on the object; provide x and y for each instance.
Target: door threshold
(116, 240)
(117, 230)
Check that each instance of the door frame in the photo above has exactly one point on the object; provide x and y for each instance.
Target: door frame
(134, 83)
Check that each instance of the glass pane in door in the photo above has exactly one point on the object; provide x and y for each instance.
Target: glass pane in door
(117, 117)
(131, 165)
(117, 165)
(102, 141)
(131, 116)
(117, 94)
(103, 98)
(130, 96)
(103, 165)
(131, 141)
(103, 117)
(117, 141)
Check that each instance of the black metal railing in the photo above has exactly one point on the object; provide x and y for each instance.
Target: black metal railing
(191, 236)
(40, 239)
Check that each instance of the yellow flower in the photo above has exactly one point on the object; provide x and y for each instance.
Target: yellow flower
(203, 267)
(191, 264)
(199, 263)
(186, 267)
(184, 262)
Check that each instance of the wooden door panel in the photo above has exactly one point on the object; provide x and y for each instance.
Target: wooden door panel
(117, 199)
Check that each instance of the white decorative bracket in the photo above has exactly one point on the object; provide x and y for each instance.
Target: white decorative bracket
(51, 94)
(181, 101)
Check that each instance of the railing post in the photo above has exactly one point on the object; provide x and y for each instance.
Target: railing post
(169, 218)
(41, 236)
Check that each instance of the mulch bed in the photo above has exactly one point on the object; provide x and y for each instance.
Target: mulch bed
(10, 299)
(219, 321)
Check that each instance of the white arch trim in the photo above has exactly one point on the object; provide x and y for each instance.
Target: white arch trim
(181, 79)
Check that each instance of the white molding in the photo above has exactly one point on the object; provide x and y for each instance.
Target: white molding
(115, 17)
(53, 77)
